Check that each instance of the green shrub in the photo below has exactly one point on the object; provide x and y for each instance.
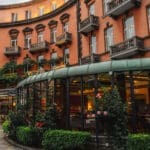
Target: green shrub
(6, 126)
(116, 123)
(16, 120)
(28, 136)
(65, 140)
(138, 142)
(51, 118)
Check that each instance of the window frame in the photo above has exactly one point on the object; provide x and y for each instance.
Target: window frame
(66, 56)
(148, 18)
(93, 51)
(13, 42)
(14, 17)
(40, 36)
(107, 36)
(126, 28)
(53, 34)
(27, 42)
(27, 14)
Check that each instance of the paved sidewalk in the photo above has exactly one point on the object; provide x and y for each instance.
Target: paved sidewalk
(4, 145)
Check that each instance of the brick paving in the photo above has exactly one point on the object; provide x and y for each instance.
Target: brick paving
(4, 145)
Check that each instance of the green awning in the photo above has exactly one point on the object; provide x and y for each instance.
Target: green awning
(61, 73)
(101, 67)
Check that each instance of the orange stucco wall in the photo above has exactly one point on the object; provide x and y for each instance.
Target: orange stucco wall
(141, 27)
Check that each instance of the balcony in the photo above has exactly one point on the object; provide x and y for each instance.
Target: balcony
(127, 48)
(93, 58)
(89, 24)
(64, 39)
(12, 51)
(39, 47)
(118, 7)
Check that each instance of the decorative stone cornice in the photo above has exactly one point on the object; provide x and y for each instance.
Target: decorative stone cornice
(40, 27)
(27, 30)
(13, 33)
(52, 23)
(64, 17)
(49, 15)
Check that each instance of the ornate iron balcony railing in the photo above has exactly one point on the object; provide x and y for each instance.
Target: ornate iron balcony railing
(118, 7)
(15, 50)
(38, 47)
(93, 58)
(63, 39)
(89, 24)
(127, 48)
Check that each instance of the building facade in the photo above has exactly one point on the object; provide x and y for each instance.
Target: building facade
(80, 47)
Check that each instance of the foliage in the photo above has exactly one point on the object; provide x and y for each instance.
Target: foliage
(138, 142)
(9, 74)
(117, 118)
(9, 67)
(51, 118)
(29, 136)
(6, 126)
(39, 117)
(65, 140)
(16, 119)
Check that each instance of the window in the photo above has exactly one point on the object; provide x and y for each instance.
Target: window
(40, 58)
(106, 6)
(54, 59)
(14, 42)
(14, 17)
(27, 14)
(148, 17)
(65, 0)
(40, 37)
(54, 6)
(93, 44)
(109, 38)
(65, 27)
(53, 35)
(27, 41)
(92, 9)
(54, 55)
(66, 56)
(41, 11)
(129, 29)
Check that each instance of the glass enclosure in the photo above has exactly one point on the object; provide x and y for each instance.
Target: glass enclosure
(74, 98)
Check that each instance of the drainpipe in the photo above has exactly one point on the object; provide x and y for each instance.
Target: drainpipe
(68, 102)
(96, 120)
(133, 103)
(82, 104)
(79, 42)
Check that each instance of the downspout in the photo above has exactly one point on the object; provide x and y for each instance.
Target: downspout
(79, 42)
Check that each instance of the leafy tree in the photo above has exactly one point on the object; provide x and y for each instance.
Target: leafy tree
(117, 118)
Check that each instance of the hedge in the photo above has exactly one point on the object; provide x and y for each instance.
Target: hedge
(66, 140)
(138, 142)
(6, 126)
(29, 136)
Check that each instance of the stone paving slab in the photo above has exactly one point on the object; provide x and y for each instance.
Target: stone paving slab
(4, 145)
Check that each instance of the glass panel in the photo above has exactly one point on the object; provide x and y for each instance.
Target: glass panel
(92, 9)
(109, 38)
(148, 17)
(93, 44)
(129, 28)
(40, 37)
(141, 81)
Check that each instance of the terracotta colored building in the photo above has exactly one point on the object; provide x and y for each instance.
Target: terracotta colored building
(87, 45)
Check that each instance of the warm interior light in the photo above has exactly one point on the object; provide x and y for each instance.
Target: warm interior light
(14, 104)
(89, 105)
